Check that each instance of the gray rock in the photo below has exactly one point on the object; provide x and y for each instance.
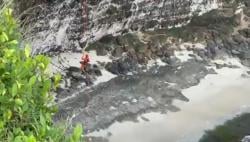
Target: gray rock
(122, 66)
(173, 61)
(236, 52)
(77, 76)
(246, 62)
(117, 52)
(246, 139)
(245, 33)
(95, 70)
(88, 76)
(101, 51)
(212, 49)
(96, 139)
(238, 38)
(219, 66)
(245, 54)
(145, 119)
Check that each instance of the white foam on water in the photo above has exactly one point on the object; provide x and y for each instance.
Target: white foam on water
(183, 55)
(106, 76)
(214, 100)
(158, 62)
(229, 61)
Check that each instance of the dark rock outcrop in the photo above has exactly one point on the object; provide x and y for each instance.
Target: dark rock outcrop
(245, 33)
(122, 65)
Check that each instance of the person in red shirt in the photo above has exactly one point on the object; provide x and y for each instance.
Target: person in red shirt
(84, 62)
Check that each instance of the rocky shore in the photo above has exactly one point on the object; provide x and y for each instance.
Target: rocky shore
(143, 67)
(140, 87)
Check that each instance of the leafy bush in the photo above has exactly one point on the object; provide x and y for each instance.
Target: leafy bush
(232, 131)
(26, 105)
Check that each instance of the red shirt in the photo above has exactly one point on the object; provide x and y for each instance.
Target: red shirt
(85, 59)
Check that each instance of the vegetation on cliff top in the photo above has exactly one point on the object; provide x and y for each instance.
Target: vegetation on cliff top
(27, 105)
(232, 131)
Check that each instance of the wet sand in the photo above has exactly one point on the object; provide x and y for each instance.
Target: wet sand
(216, 99)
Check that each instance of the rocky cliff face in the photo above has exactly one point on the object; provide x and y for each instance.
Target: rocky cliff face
(130, 27)
(62, 25)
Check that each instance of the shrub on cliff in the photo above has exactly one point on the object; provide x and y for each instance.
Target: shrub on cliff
(26, 105)
(232, 131)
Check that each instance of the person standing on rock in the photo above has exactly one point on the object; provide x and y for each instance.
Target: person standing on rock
(84, 62)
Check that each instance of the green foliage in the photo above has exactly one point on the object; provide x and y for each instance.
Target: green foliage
(232, 131)
(26, 104)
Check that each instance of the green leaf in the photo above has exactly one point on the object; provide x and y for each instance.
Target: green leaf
(32, 80)
(9, 114)
(4, 37)
(2, 89)
(9, 12)
(18, 131)
(47, 85)
(42, 120)
(18, 84)
(1, 124)
(9, 52)
(46, 88)
(77, 134)
(42, 66)
(39, 78)
(4, 99)
(57, 79)
(21, 139)
(31, 139)
(27, 51)
(14, 90)
(13, 42)
(19, 102)
(43, 61)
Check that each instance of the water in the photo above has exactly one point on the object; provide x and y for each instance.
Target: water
(216, 99)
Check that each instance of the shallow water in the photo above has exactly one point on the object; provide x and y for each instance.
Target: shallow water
(216, 99)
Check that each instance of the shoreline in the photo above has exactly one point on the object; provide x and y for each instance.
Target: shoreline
(229, 130)
(151, 120)
(131, 86)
